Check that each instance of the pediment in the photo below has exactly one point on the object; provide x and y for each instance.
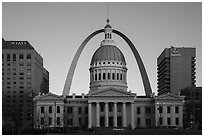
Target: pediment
(168, 97)
(112, 92)
(48, 96)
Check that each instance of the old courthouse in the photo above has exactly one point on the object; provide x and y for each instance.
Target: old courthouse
(108, 103)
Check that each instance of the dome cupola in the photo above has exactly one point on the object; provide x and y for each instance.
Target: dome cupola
(108, 65)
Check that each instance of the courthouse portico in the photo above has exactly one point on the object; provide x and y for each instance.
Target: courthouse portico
(110, 108)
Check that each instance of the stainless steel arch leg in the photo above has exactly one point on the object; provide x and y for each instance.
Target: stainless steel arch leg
(70, 74)
(143, 72)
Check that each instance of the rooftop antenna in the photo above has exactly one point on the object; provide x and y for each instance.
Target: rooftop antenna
(107, 10)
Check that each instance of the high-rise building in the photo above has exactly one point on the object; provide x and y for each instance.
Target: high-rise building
(23, 77)
(192, 114)
(176, 69)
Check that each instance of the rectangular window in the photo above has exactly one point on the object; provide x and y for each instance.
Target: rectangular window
(70, 121)
(168, 109)
(42, 109)
(168, 121)
(148, 110)
(160, 120)
(176, 109)
(58, 120)
(42, 121)
(138, 121)
(21, 73)
(50, 109)
(138, 110)
(177, 121)
(28, 56)
(95, 76)
(160, 109)
(21, 56)
(8, 57)
(79, 110)
(79, 120)
(148, 122)
(69, 110)
(50, 121)
(58, 109)
(14, 57)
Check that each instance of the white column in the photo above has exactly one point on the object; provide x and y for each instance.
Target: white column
(124, 114)
(132, 116)
(181, 115)
(106, 114)
(97, 115)
(115, 114)
(90, 120)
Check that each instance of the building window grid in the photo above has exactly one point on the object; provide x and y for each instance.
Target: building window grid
(50, 109)
(138, 110)
(176, 109)
(79, 110)
(168, 109)
(58, 109)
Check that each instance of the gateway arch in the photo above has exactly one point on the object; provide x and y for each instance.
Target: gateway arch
(145, 79)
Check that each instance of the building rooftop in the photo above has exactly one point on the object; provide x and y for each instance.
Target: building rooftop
(16, 45)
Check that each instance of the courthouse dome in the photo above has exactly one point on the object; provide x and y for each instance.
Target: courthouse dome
(108, 53)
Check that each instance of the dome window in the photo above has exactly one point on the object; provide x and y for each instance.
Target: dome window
(104, 76)
(104, 63)
(113, 76)
(121, 76)
(99, 76)
(108, 75)
(113, 62)
(95, 77)
(117, 76)
(108, 62)
(121, 63)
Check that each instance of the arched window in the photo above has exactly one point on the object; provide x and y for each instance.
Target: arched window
(99, 76)
(92, 76)
(117, 76)
(113, 76)
(95, 77)
(108, 75)
(104, 76)
(121, 76)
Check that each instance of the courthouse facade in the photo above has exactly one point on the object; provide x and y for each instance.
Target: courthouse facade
(108, 103)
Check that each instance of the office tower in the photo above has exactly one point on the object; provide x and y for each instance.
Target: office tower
(192, 113)
(176, 69)
(23, 77)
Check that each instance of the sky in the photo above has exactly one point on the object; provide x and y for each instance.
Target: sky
(56, 30)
